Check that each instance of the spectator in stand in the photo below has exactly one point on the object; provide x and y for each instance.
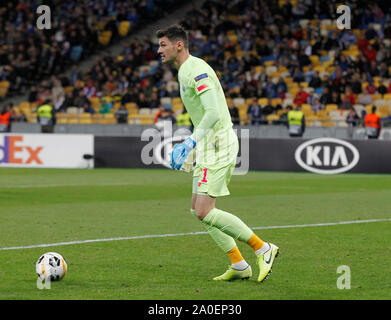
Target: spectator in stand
(326, 96)
(142, 102)
(349, 99)
(166, 115)
(127, 97)
(268, 108)
(154, 102)
(352, 118)
(58, 94)
(382, 89)
(316, 105)
(301, 96)
(234, 112)
(89, 89)
(87, 108)
(365, 98)
(121, 114)
(105, 106)
(68, 102)
(254, 113)
(371, 88)
(81, 100)
(336, 98)
(315, 82)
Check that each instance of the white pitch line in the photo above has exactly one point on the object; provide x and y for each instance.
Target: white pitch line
(66, 185)
(189, 234)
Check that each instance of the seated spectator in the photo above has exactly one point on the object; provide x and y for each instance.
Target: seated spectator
(154, 102)
(335, 98)
(105, 107)
(349, 99)
(280, 93)
(58, 94)
(382, 89)
(315, 82)
(81, 100)
(254, 113)
(142, 102)
(68, 102)
(234, 112)
(87, 108)
(33, 95)
(316, 105)
(326, 96)
(268, 108)
(127, 97)
(89, 89)
(371, 87)
(301, 96)
(167, 115)
(352, 118)
(121, 114)
(365, 98)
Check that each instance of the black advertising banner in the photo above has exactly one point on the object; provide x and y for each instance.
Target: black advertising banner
(320, 155)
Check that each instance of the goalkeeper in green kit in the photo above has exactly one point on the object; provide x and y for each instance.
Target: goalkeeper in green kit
(215, 146)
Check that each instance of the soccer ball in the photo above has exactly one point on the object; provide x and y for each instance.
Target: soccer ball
(51, 266)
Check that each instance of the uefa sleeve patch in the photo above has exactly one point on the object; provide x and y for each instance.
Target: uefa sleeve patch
(201, 76)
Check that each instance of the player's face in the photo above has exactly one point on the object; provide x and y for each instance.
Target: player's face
(167, 50)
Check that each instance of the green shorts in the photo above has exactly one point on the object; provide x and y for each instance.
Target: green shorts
(214, 167)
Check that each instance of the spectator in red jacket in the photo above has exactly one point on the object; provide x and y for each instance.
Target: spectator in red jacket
(301, 96)
(370, 53)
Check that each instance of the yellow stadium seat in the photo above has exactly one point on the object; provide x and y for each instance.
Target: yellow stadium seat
(62, 120)
(131, 106)
(272, 117)
(25, 105)
(276, 101)
(269, 63)
(262, 101)
(85, 121)
(306, 107)
(104, 38)
(4, 85)
(368, 108)
(68, 89)
(328, 124)
(314, 60)
(147, 121)
(331, 107)
(123, 28)
(383, 111)
(322, 114)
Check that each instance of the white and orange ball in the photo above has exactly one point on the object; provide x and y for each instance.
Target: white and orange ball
(51, 266)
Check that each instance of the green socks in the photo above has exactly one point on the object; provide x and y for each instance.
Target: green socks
(224, 241)
(229, 224)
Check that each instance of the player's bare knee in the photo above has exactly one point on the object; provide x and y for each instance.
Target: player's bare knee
(201, 213)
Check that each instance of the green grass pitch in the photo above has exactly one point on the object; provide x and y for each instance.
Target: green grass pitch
(40, 206)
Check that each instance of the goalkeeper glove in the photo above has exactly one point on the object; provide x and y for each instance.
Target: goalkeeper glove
(181, 152)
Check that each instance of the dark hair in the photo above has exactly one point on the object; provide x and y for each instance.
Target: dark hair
(174, 32)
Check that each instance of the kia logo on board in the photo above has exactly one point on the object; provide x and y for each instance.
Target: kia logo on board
(327, 155)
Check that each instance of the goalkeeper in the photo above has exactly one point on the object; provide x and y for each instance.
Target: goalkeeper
(215, 146)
